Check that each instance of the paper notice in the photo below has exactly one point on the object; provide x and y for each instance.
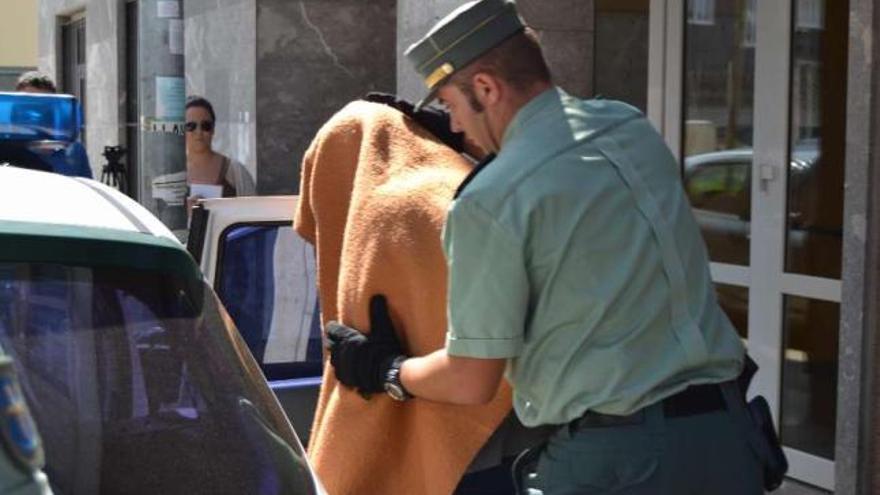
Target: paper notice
(168, 9)
(170, 188)
(175, 36)
(170, 98)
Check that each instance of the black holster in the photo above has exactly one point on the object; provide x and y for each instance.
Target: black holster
(760, 431)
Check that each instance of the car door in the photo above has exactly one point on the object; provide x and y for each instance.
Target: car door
(264, 273)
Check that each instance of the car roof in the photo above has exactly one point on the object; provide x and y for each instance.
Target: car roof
(47, 198)
(47, 217)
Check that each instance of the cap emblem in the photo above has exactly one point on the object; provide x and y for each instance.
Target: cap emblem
(439, 74)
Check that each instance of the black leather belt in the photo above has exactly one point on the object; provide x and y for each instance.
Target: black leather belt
(696, 399)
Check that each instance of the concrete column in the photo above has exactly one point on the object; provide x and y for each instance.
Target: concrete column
(162, 150)
(858, 422)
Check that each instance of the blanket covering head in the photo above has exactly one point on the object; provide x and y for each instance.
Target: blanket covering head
(373, 198)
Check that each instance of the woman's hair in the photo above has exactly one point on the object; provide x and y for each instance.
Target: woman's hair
(201, 102)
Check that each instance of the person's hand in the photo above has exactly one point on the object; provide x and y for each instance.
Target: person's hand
(191, 201)
(434, 121)
(362, 361)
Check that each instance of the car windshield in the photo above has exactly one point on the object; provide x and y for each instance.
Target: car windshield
(139, 386)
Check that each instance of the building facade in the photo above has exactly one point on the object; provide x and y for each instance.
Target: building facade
(18, 41)
(768, 104)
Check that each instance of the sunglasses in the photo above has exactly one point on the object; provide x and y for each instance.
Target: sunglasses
(206, 126)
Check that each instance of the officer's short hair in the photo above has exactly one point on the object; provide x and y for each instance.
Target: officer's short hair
(518, 61)
(37, 80)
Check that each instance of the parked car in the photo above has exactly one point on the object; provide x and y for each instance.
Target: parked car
(137, 378)
(719, 186)
(40, 132)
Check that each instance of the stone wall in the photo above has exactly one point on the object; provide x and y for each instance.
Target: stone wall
(314, 56)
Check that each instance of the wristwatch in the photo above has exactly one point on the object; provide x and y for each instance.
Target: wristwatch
(392, 381)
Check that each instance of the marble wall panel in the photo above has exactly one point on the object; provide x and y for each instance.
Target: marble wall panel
(314, 56)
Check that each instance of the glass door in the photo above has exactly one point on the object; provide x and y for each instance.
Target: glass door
(753, 101)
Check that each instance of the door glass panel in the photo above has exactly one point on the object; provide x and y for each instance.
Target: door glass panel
(718, 106)
(734, 301)
(266, 280)
(818, 129)
(809, 375)
(621, 50)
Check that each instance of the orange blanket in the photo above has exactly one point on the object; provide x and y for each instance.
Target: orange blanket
(373, 198)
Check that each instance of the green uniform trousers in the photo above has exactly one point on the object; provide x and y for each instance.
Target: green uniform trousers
(702, 454)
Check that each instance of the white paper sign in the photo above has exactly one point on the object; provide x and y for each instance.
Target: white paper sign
(168, 9)
(175, 36)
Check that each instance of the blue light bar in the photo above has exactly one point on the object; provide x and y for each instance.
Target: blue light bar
(32, 117)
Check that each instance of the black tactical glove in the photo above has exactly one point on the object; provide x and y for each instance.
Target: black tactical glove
(433, 120)
(362, 361)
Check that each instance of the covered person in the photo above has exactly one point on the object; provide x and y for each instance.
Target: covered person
(576, 268)
(374, 192)
(203, 164)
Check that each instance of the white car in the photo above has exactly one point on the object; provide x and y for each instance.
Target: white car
(264, 273)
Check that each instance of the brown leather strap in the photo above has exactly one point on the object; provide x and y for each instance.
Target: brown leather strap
(228, 189)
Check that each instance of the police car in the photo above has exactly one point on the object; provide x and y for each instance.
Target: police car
(134, 374)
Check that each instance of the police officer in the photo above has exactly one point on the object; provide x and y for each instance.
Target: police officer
(577, 270)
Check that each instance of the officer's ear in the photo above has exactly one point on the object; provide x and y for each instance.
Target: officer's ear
(488, 89)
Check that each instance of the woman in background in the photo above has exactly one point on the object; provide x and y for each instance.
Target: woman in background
(204, 166)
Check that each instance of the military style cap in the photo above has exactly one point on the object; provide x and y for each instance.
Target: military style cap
(462, 36)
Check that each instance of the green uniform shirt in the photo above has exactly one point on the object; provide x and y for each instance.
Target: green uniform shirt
(575, 255)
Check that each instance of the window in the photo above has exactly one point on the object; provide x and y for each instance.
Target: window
(750, 24)
(266, 280)
(701, 12)
(810, 14)
(136, 386)
(73, 63)
(721, 187)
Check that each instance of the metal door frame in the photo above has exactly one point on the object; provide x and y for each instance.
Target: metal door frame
(770, 282)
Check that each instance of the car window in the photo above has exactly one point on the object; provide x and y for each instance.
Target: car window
(721, 187)
(266, 280)
(138, 386)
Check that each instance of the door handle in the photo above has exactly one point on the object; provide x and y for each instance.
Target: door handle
(766, 175)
